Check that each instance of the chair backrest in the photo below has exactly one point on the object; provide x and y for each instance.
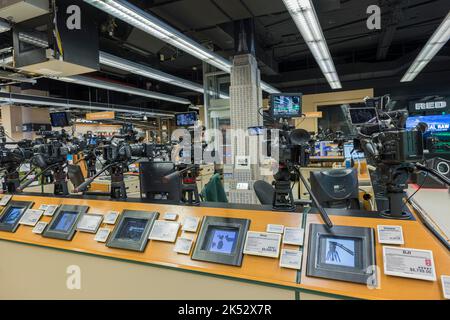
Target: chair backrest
(264, 191)
(337, 188)
(75, 174)
(160, 179)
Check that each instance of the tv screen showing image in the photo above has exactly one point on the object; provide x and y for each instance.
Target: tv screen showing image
(60, 119)
(286, 105)
(186, 119)
(436, 123)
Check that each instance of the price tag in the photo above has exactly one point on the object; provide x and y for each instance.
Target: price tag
(31, 217)
(446, 286)
(40, 227)
(170, 216)
(409, 263)
(110, 217)
(90, 223)
(183, 245)
(293, 236)
(102, 235)
(262, 244)
(275, 228)
(49, 209)
(190, 224)
(164, 231)
(242, 186)
(5, 199)
(291, 259)
(390, 234)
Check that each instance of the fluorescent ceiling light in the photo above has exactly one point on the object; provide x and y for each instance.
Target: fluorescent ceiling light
(305, 17)
(146, 22)
(432, 47)
(121, 88)
(11, 98)
(148, 72)
(4, 26)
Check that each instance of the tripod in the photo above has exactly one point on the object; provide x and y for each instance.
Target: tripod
(283, 200)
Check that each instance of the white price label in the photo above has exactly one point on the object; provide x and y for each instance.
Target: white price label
(102, 235)
(5, 199)
(190, 224)
(262, 244)
(291, 259)
(293, 236)
(170, 216)
(31, 217)
(164, 231)
(409, 263)
(275, 228)
(110, 217)
(183, 245)
(446, 286)
(40, 227)
(390, 234)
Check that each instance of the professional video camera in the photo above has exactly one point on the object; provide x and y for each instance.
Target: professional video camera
(12, 156)
(50, 153)
(393, 150)
(292, 146)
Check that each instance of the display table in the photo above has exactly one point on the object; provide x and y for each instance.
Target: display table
(35, 267)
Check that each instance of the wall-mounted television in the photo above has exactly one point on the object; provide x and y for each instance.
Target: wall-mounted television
(186, 119)
(436, 123)
(60, 119)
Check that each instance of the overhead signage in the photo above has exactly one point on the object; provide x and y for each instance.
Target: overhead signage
(104, 115)
(435, 106)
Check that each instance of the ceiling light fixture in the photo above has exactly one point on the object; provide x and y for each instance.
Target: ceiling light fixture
(146, 22)
(121, 88)
(11, 98)
(431, 48)
(305, 17)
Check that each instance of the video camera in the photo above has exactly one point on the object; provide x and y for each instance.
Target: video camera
(393, 150)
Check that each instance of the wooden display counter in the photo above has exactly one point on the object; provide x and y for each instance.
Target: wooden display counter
(30, 269)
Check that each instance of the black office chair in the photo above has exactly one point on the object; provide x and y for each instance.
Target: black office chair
(264, 191)
(337, 188)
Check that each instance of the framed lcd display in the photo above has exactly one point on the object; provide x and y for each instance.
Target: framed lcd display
(11, 215)
(342, 253)
(132, 230)
(64, 222)
(221, 240)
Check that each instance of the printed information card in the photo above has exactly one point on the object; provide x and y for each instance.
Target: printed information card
(262, 244)
(390, 234)
(291, 259)
(409, 263)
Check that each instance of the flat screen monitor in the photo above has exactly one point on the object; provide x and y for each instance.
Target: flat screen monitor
(132, 229)
(342, 253)
(60, 119)
(65, 221)
(186, 119)
(359, 116)
(436, 123)
(348, 148)
(286, 105)
(221, 240)
(12, 215)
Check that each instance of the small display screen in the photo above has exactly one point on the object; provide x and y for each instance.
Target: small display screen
(255, 131)
(132, 229)
(186, 119)
(286, 106)
(222, 240)
(65, 221)
(12, 215)
(362, 115)
(437, 123)
(340, 252)
(59, 119)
